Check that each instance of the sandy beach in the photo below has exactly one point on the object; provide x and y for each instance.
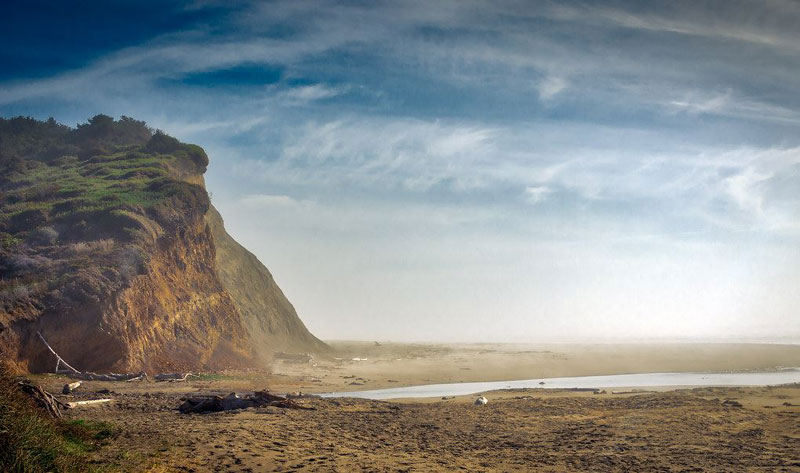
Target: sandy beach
(365, 365)
(699, 429)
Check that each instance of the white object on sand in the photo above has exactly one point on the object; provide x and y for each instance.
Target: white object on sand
(75, 404)
(481, 401)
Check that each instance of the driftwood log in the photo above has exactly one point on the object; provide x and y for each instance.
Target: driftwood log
(173, 377)
(68, 388)
(43, 399)
(232, 401)
(89, 376)
(87, 403)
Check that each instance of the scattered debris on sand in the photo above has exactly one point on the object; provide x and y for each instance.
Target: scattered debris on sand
(294, 357)
(481, 401)
(232, 402)
(43, 399)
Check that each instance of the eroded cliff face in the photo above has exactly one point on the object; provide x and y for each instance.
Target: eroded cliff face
(270, 319)
(112, 251)
(174, 316)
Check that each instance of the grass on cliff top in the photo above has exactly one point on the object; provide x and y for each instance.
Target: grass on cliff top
(78, 207)
(31, 441)
(69, 185)
(51, 171)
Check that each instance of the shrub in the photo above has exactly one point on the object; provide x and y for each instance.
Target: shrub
(22, 263)
(131, 262)
(198, 156)
(84, 247)
(163, 143)
(9, 242)
(43, 236)
(28, 219)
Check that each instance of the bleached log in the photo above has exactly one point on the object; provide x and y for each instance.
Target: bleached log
(68, 388)
(87, 403)
(59, 360)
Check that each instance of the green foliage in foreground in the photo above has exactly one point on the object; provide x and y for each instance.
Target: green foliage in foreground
(30, 441)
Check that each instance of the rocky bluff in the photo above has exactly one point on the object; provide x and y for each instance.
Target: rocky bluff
(110, 247)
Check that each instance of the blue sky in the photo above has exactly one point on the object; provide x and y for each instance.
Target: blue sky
(463, 170)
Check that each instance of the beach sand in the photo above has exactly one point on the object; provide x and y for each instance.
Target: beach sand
(522, 430)
(397, 364)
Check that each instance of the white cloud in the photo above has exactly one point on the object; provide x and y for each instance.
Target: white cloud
(744, 189)
(537, 194)
(310, 93)
(269, 200)
(712, 104)
(551, 86)
(413, 154)
(459, 141)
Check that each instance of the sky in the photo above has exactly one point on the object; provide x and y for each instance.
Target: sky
(520, 171)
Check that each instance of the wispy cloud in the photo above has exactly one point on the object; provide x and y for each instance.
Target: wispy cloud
(537, 194)
(309, 93)
(551, 86)
(270, 200)
(649, 137)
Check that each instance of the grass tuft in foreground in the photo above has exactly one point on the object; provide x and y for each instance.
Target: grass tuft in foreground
(31, 441)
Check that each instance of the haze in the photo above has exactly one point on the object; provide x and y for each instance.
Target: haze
(469, 171)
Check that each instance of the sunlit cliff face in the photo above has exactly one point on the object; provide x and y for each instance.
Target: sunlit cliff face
(467, 170)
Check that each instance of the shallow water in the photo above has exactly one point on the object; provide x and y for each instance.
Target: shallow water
(641, 380)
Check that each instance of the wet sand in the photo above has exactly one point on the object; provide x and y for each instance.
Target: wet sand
(523, 430)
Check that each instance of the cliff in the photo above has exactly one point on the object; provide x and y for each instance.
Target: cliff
(269, 318)
(110, 248)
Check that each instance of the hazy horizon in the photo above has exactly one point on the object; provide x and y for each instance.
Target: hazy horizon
(469, 171)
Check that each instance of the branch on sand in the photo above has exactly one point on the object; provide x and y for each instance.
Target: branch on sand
(43, 399)
(89, 376)
(174, 377)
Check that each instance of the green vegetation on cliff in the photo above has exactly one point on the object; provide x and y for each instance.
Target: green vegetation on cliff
(109, 246)
(78, 200)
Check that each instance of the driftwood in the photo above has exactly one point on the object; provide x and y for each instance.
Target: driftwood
(68, 388)
(43, 399)
(233, 401)
(59, 360)
(89, 376)
(294, 357)
(173, 377)
(87, 403)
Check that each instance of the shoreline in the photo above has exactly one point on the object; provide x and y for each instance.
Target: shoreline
(543, 429)
(361, 366)
(649, 381)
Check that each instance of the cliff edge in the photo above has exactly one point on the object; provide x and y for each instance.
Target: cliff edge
(110, 248)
